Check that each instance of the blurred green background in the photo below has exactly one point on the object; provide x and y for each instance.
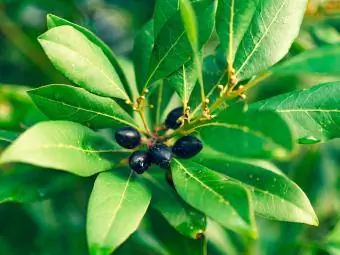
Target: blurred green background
(57, 226)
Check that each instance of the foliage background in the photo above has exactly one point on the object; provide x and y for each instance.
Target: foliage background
(57, 226)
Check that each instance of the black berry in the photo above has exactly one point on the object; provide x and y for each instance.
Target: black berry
(128, 137)
(187, 147)
(139, 161)
(161, 155)
(172, 118)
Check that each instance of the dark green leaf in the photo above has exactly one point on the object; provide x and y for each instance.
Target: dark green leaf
(82, 61)
(180, 215)
(117, 205)
(54, 21)
(65, 102)
(66, 146)
(314, 112)
(172, 48)
(142, 51)
(275, 196)
(25, 184)
(219, 198)
(7, 137)
(247, 134)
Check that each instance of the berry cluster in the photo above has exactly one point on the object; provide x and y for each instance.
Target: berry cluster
(158, 152)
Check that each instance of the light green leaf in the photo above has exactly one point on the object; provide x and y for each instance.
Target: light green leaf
(314, 113)
(142, 51)
(116, 207)
(179, 214)
(81, 61)
(66, 146)
(322, 61)
(247, 134)
(183, 81)
(258, 33)
(190, 22)
(275, 196)
(55, 21)
(219, 198)
(172, 48)
(65, 102)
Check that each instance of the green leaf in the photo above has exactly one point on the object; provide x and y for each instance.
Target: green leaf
(219, 198)
(275, 196)
(81, 61)
(116, 207)
(172, 48)
(7, 137)
(142, 51)
(247, 134)
(55, 21)
(258, 33)
(164, 10)
(65, 102)
(66, 146)
(232, 21)
(321, 61)
(183, 81)
(314, 113)
(26, 184)
(179, 214)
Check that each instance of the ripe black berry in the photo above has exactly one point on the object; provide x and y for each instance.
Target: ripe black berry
(127, 137)
(161, 155)
(139, 161)
(187, 147)
(173, 116)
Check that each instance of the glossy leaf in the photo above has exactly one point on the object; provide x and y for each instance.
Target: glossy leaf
(314, 112)
(219, 198)
(179, 214)
(82, 61)
(258, 33)
(172, 48)
(247, 134)
(275, 196)
(142, 51)
(55, 21)
(117, 205)
(65, 102)
(66, 146)
(322, 61)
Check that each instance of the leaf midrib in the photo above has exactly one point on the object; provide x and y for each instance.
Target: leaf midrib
(72, 147)
(163, 58)
(122, 199)
(87, 110)
(221, 198)
(116, 85)
(260, 40)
